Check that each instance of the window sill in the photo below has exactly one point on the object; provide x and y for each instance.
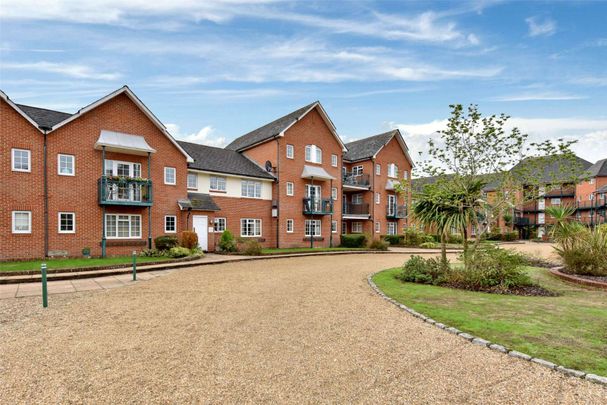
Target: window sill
(125, 242)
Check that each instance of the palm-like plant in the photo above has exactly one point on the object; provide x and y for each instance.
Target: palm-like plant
(563, 228)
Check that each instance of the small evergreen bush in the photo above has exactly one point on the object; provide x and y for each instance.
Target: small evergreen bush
(252, 248)
(178, 251)
(227, 243)
(379, 244)
(357, 240)
(166, 242)
(189, 239)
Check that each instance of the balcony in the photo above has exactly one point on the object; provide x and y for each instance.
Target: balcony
(560, 192)
(125, 191)
(394, 211)
(317, 206)
(591, 205)
(356, 181)
(355, 211)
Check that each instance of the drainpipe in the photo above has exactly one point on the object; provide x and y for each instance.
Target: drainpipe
(331, 216)
(278, 186)
(373, 197)
(312, 216)
(45, 164)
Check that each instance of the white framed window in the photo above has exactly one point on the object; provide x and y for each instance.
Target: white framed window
(313, 227)
(378, 169)
(391, 228)
(406, 174)
(219, 224)
(250, 188)
(592, 180)
(356, 170)
(21, 160)
(344, 228)
(555, 201)
(170, 175)
(357, 198)
(333, 226)
(217, 183)
(357, 227)
(193, 181)
(122, 226)
(313, 154)
(22, 222)
(392, 170)
(290, 188)
(290, 152)
(334, 160)
(170, 224)
(122, 169)
(334, 193)
(377, 198)
(290, 226)
(591, 197)
(66, 222)
(250, 227)
(66, 165)
(377, 227)
(541, 218)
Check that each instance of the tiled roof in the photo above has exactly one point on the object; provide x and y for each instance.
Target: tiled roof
(602, 189)
(268, 131)
(599, 169)
(366, 148)
(220, 160)
(550, 170)
(199, 202)
(44, 117)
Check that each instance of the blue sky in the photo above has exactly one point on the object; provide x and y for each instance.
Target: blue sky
(214, 70)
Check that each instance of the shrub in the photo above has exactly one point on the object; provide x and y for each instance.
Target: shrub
(492, 267)
(189, 239)
(494, 236)
(394, 239)
(378, 244)
(152, 253)
(510, 236)
(455, 238)
(429, 245)
(423, 271)
(165, 242)
(353, 240)
(252, 248)
(178, 251)
(227, 243)
(584, 251)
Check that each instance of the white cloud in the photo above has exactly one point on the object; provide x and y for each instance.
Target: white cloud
(205, 136)
(591, 81)
(590, 133)
(544, 96)
(537, 27)
(65, 69)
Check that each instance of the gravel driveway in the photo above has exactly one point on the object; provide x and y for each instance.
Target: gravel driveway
(303, 330)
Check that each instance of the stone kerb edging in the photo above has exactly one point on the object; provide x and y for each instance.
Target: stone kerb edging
(556, 271)
(485, 343)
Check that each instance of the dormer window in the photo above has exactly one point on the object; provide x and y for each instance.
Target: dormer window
(313, 154)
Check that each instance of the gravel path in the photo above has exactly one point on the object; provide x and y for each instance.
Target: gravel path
(299, 330)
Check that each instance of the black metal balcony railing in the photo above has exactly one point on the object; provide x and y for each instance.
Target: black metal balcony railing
(356, 180)
(317, 206)
(355, 209)
(394, 211)
(588, 205)
(125, 191)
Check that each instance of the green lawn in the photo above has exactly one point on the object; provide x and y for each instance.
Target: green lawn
(570, 329)
(74, 263)
(271, 251)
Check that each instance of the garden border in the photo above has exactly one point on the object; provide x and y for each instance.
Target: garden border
(594, 378)
(556, 271)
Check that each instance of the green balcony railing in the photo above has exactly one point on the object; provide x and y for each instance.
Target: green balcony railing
(394, 211)
(317, 206)
(125, 191)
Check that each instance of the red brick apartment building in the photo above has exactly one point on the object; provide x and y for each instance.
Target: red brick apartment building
(108, 178)
(591, 195)
(372, 166)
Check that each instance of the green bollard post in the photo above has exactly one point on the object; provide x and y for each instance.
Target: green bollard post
(44, 287)
(134, 265)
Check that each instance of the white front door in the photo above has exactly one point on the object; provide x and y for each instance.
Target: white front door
(199, 225)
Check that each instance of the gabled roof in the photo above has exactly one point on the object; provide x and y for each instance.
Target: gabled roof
(218, 160)
(44, 117)
(549, 170)
(129, 93)
(10, 102)
(278, 127)
(599, 169)
(368, 148)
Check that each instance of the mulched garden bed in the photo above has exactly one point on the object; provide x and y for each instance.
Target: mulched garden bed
(527, 291)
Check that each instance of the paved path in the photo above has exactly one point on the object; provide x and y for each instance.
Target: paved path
(298, 330)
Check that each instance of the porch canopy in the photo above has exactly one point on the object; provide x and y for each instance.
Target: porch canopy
(123, 143)
(316, 173)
